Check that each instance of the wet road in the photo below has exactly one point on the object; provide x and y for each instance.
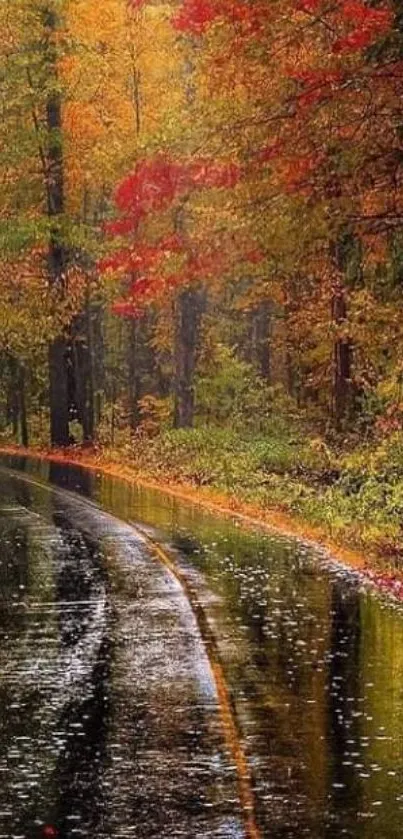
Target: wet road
(108, 715)
(111, 717)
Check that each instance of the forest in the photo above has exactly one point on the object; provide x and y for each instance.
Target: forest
(201, 227)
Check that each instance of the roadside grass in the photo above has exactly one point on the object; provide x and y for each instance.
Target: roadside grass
(353, 493)
(357, 497)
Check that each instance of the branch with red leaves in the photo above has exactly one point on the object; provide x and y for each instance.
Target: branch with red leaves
(155, 185)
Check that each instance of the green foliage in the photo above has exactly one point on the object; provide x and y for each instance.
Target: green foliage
(155, 414)
(229, 389)
(356, 498)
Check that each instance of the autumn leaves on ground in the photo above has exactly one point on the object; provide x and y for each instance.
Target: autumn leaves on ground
(201, 260)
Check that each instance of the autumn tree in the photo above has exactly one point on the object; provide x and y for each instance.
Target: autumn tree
(317, 132)
(64, 86)
(150, 200)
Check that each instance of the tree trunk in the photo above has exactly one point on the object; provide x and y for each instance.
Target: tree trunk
(97, 361)
(58, 350)
(58, 393)
(90, 399)
(134, 377)
(189, 307)
(13, 403)
(261, 339)
(81, 372)
(22, 406)
(14, 413)
(13, 408)
(342, 391)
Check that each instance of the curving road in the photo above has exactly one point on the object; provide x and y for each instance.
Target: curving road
(109, 719)
(241, 686)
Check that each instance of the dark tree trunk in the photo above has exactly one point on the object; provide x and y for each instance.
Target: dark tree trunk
(290, 376)
(189, 308)
(58, 393)
(342, 386)
(13, 404)
(292, 373)
(58, 350)
(16, 401)
(261, 339)
(134, 375)
(78, 378)
(97, 362)
(23, 406)
(90, 400)
(14, 414)
(81, 374)
(113, 412)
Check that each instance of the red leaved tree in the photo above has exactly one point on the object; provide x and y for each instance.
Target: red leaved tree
(150, 267)
(333, 135)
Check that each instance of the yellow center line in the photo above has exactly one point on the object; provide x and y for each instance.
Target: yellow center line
(227, 713)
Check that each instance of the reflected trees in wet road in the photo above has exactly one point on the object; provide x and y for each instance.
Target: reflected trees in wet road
(110, 720)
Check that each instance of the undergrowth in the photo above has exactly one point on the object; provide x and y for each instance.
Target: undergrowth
(356, 497)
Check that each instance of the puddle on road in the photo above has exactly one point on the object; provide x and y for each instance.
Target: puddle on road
(109, 725)
(313, 661)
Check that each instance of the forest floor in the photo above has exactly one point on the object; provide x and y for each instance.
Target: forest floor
(350, 512)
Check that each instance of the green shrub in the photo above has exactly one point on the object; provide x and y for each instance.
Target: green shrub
(357, 497)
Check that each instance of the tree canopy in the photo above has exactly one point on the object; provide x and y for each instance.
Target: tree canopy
(178, 178)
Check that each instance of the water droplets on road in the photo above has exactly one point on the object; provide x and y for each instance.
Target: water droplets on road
(113, 727)
(108, 715)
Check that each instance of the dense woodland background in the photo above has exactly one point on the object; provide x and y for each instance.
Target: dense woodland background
(201, 231)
